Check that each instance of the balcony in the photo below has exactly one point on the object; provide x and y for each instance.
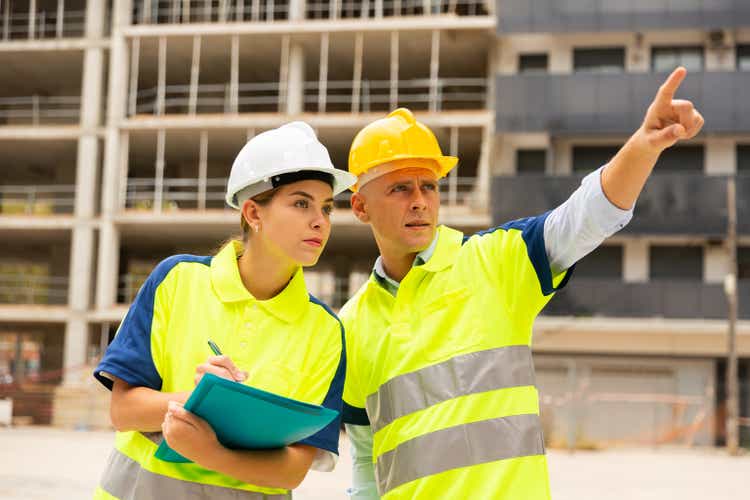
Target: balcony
(37, 200)
(566, 16)
(39, 110)
(32, 287)
(599, 104)
(334, 96)
(218, 11)
(41, 24)
(174, 194)
(659, 298)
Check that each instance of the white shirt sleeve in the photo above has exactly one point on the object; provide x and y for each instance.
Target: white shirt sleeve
(324, 461)
(581, 223)
(363, 470)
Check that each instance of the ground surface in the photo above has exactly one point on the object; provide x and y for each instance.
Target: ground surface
(42, 463)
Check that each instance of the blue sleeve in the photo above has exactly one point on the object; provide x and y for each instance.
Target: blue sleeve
(328, 438)
(355, 416)
(128, 357)
(532, 233)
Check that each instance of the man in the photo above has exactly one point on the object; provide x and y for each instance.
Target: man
(439, 396)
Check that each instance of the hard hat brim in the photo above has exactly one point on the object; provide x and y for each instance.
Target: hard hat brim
(444, 163)
(342, 180)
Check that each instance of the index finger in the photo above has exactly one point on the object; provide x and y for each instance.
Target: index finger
(227, 363)
(222, 360)
(669, 87)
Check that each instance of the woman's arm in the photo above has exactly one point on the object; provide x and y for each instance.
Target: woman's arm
(135, 408)
(193, 438)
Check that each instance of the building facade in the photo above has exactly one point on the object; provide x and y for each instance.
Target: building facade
(119, 121)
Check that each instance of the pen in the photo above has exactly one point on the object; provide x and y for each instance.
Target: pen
(214, 347)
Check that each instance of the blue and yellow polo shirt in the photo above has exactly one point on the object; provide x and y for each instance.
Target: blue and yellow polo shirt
(291, 344)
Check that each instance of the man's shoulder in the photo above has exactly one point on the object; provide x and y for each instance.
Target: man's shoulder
(349, 310)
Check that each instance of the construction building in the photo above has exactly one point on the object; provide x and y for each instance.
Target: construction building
(119, 121)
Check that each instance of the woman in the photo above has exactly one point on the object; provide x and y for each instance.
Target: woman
(251, 300)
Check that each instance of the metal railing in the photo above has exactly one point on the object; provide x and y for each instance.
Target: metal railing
(24, 288)
(418, 93)
(457, 191)
(175, 194)
(373, 9)
(193, 194)
(37, 199)
(372, 95)
(208, 11)
(42, 25)
(222, 11)
(37, 110)
(210, 98)
(129, 285)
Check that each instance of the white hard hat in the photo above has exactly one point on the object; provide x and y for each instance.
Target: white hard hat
(290, 148)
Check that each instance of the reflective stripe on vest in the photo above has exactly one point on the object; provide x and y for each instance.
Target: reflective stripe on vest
(459, 446)
(471, 373)
(125, 479)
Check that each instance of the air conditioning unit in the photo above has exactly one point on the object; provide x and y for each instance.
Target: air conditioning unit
(718, 39)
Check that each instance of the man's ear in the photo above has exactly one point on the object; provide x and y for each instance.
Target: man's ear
(250, 212)
(359, 207)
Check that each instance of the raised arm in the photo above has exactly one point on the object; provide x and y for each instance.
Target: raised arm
(603, 204)
(668, 120)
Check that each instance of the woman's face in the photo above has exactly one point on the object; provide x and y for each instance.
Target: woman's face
(296, 223)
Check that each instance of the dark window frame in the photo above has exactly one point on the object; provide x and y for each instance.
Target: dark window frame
(585, 59)
(678, 51)
(532, 63)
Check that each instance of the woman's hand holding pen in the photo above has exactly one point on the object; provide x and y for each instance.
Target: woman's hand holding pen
(221, 366)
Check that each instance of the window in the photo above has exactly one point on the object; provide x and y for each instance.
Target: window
(530, 161)
(589, 158)
(676, 262)
(743, 58)
(681, 159)
(665, 59)
(532, 63)
(599, 60)
(743, 158)
(603, 263)
(743, 263)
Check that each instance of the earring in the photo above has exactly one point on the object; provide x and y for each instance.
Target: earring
(256, 228)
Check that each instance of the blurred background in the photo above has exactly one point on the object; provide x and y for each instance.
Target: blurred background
(119, 120)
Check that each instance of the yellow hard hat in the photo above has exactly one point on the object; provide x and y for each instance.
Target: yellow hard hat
(399, 136)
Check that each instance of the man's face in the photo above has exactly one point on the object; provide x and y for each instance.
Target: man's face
(402, 207)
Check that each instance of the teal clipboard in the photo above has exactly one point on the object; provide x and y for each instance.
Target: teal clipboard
(244, 417)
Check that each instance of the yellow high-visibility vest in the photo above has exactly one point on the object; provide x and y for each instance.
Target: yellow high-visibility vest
(443, 370)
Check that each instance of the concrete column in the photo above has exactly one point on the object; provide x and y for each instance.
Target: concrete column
(323, 73)
(394, 70)
(561, 158)
(106, 284)
(715, 263)
(357, 76)
(722, 56)
(503, 156)
(81, 253)
(484, 177)
(635, 261)
(721, 156)
(295, 103)
(560, 58)
(297, 10)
